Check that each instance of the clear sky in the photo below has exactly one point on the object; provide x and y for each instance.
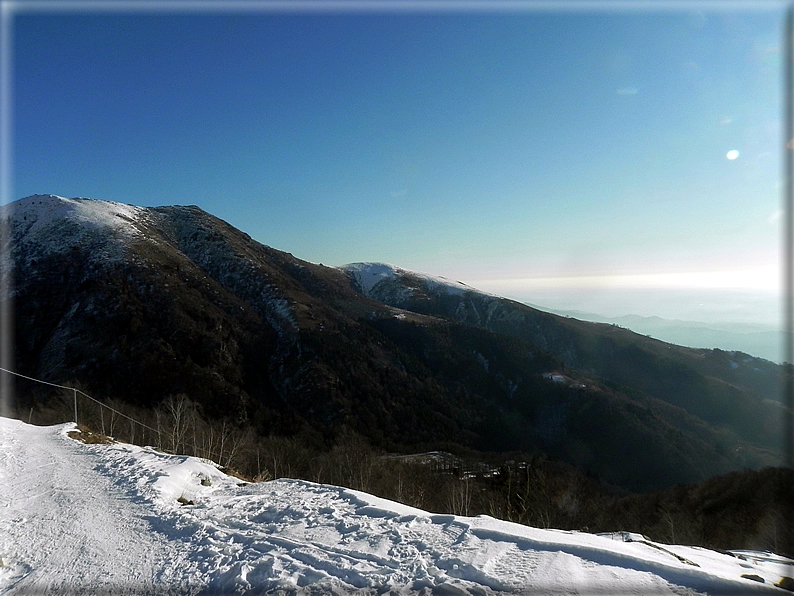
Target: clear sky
(535, 154)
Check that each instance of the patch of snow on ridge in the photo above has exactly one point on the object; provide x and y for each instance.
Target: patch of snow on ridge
(368, 275)
(442, 283)
(41, 211)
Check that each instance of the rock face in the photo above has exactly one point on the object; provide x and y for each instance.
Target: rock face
(141, 303)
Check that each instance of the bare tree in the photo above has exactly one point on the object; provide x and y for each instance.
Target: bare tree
(177, 409)
(459, 496)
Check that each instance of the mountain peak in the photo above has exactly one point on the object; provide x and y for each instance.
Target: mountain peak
(38, 213)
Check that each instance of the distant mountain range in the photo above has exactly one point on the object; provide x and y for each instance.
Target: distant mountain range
(141, 303)
(764, 341)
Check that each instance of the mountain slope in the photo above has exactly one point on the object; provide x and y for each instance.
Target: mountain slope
(142, 303)
(728, 390)
(122, 519)
(762, 340)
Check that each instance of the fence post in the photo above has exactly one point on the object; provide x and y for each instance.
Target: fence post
(75, 405)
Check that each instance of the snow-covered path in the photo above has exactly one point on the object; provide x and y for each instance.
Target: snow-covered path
(107, 519)
(64, 525)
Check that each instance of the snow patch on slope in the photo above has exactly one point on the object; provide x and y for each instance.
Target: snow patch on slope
(369, 275)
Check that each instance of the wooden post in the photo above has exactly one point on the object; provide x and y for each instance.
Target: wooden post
(75, 405)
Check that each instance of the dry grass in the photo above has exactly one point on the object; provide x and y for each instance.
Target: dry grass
(786, 583)
(86, 435)
(237, 474)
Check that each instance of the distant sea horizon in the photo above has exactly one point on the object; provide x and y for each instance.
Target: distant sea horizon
(744, 320)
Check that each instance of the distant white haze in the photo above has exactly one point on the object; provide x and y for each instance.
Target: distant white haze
(750, 296)
(726, 310)
(756, 279)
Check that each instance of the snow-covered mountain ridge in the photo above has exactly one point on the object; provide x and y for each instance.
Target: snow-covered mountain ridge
(95, 519)
(42, 210)
(39, 214)
(370, 275)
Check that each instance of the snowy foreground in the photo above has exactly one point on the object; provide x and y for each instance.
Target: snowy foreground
(99, 519)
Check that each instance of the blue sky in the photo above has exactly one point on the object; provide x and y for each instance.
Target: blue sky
(528, 153)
